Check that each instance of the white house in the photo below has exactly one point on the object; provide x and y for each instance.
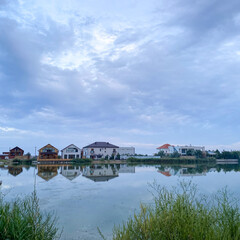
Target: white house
(127, 151)
(71, 152)
(167, 148)
(98, 150)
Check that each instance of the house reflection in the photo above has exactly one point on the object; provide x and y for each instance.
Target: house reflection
(14, 170)
(70, 172)
(47, 172)
(183, 171)
(100, 173)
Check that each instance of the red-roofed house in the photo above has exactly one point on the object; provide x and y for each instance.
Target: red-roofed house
(166, 148)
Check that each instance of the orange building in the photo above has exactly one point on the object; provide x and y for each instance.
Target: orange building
(48, 152)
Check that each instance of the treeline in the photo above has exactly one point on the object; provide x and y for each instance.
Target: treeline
(202, 154)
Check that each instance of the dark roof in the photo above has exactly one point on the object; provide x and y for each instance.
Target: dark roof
(101, 145)
(16, 148)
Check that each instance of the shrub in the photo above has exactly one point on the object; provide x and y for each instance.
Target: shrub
(23, 220)
(181, 214)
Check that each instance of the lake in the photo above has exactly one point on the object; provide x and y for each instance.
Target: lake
(87, 197)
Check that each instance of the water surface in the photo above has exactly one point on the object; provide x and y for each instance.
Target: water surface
(87, 197)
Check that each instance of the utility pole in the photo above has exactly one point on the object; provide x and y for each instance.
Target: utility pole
(35, 151)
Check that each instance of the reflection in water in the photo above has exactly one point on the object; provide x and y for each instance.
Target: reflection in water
(100, 173)
(14, 170)
(96, 173)
(70, 172)
(47, 172)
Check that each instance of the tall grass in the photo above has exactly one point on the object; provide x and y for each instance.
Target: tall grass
(181, 213)
(22, 220)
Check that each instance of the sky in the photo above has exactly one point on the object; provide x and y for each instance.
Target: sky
(131, 72)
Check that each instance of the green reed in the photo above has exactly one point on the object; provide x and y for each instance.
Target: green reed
(181, 213)
(22, 219)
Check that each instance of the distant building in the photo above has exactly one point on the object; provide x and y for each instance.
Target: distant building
(128, 151)
(4, 155)
(98, 150)
(167, 149)
(15, 152)
(48, 152)
(182, 150)
(71, 152)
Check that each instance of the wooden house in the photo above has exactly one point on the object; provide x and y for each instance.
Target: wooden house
(48, 152)
(15, 152)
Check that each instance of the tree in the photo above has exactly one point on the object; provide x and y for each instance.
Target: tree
(198, 154)
(160, 153)
(118, 157)
(190, 152)
(175, 154)
(106, 157)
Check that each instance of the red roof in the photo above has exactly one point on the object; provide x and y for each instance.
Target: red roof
(167, 174)
(165, 146)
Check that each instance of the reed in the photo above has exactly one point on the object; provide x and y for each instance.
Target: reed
(182, 213)
(22, 219)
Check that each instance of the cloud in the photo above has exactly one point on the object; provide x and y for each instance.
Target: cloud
(146, 72)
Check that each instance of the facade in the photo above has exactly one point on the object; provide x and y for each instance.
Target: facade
(127, 151)
(71, 152)
(15, 152)
(48, 152)
(183, 149)
(98, 150)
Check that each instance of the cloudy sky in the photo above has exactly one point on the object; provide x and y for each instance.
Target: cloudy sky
(131, 72)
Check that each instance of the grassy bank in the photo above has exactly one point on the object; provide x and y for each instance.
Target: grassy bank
(23, 220)
(180, 214)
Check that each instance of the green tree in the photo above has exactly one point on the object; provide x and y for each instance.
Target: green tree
(118, 157)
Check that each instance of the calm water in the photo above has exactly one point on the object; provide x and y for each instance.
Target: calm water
(87, 197)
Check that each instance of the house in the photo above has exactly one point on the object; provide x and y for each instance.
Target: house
(15, 152)
(98, 150)
(167, 149)
(184, 149)
(48, 152)
(71, 152)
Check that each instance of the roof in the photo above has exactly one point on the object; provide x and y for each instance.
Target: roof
(165, 146)
(17, 148)
(48, 146)
(101, 145)
(70, 146)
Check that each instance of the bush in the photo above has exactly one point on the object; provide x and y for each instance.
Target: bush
(23, 220)
(180, 214)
